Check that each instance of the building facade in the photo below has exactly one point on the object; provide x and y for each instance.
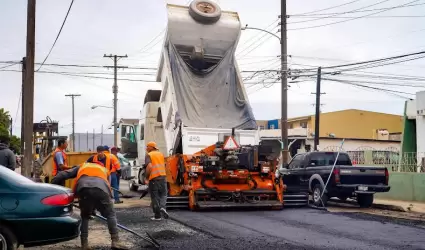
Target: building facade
(352, 123)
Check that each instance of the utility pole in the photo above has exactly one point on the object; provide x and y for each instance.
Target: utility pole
(79, 140)
(73, 119)
(28, 98)
(101, 136)
(93, 138)
(317, 115)
(115, 91)
(284, 79)
(22, 104)
(87, 141)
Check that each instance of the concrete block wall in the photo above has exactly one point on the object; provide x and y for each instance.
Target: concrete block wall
(406, 187)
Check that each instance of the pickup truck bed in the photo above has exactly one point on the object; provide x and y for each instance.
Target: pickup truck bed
(309, 172)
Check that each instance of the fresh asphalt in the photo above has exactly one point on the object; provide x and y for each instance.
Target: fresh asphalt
(295, 228)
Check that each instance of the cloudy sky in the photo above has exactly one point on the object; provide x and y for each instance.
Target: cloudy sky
(318, 35)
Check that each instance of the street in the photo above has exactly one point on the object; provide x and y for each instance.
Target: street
(291, 228)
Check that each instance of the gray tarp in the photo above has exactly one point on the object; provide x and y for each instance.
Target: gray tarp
(212, 98)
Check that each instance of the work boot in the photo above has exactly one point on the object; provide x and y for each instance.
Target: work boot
(117, 244)
(85, 244)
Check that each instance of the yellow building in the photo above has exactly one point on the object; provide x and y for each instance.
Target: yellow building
(351, 123)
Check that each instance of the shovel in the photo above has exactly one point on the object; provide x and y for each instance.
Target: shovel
(149, 239)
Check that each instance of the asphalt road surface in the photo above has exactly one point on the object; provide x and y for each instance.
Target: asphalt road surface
(302, 228)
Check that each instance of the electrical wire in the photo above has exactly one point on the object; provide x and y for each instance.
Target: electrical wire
(329, 8)
(10, 65)
(352, 19)
(359, 11)
(338, 14)
(57, 37)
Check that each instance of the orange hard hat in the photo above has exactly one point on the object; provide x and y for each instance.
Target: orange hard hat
(151, 144)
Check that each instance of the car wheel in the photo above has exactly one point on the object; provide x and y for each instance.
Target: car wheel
(317, 191)
(205, 11)
(132, 186)
(365, 200)
(8, 240)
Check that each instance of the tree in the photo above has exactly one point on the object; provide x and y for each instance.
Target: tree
(13, 141)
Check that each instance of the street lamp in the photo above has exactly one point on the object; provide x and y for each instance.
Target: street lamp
(283, 77)
(100, 106)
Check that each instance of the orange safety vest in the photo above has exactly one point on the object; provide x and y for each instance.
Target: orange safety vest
(115, 163)
(158, 165)
(55, 165)
(107, 161)
(92, 170)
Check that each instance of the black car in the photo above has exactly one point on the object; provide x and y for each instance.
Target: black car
(34, 214)
(309, 173)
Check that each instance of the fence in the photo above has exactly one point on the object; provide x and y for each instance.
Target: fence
(390, 158)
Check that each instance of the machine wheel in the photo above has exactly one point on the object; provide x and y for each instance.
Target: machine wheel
(8, 240)
(132, 186)
(205, 11)
(365, 200)
(317, 191)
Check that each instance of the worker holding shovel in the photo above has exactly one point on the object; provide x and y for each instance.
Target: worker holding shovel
(94, 192)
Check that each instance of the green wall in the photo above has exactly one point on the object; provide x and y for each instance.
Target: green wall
(408, 143)
(406, 187)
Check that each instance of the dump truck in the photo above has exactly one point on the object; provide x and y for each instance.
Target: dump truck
(202, 120)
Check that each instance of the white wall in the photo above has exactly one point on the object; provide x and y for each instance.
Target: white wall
(420, 124)
(356, 145)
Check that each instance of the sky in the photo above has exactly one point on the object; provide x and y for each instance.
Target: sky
(133, 27)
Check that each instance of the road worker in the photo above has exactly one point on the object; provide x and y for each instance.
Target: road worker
(157, 181)
(115, 174)
(59, 158)
(94, 193)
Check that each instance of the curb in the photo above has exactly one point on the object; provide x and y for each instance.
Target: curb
(374, 205)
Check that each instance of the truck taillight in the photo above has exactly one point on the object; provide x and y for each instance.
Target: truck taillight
(387, 176)
(58, 200)
(337, 175)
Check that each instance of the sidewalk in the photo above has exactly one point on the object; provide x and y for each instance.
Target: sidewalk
(403, 206)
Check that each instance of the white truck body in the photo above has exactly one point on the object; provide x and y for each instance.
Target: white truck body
(159, 117)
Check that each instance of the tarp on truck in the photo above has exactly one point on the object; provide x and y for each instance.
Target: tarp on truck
(211, 97)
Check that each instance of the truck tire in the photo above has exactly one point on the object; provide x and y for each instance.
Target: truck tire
(8, 240)
(317, 191)
(205, 11)
(365, 200)
(132, 186)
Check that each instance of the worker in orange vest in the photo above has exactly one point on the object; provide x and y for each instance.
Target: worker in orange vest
(94, 192)
(59, 158)
(157, 176)
(115, 169)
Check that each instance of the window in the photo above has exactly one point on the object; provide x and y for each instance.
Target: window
(271, 126)
(303, 124)
(296, 162)
(123, 130)
(142, 132)
(261, 127)
(328, 158)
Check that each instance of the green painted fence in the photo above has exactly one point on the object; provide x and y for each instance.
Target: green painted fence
(406, 187)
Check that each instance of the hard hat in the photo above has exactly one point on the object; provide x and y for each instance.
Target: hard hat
(151, 144)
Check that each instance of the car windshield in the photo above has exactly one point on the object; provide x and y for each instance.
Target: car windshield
(12, 176)
(328, 158)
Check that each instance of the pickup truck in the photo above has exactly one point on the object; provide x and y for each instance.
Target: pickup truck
(308, 173)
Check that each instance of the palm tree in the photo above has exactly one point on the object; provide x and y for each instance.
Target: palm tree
(5, 118)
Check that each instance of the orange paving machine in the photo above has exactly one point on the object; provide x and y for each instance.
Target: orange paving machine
(225, 175)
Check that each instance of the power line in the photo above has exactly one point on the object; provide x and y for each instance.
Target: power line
(10, 65)
(355, 18)
(329, 8)
(57, 37)
(338, 14)
(78, 65)
(358, 11)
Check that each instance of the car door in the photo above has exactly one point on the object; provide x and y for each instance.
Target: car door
(292, 180)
